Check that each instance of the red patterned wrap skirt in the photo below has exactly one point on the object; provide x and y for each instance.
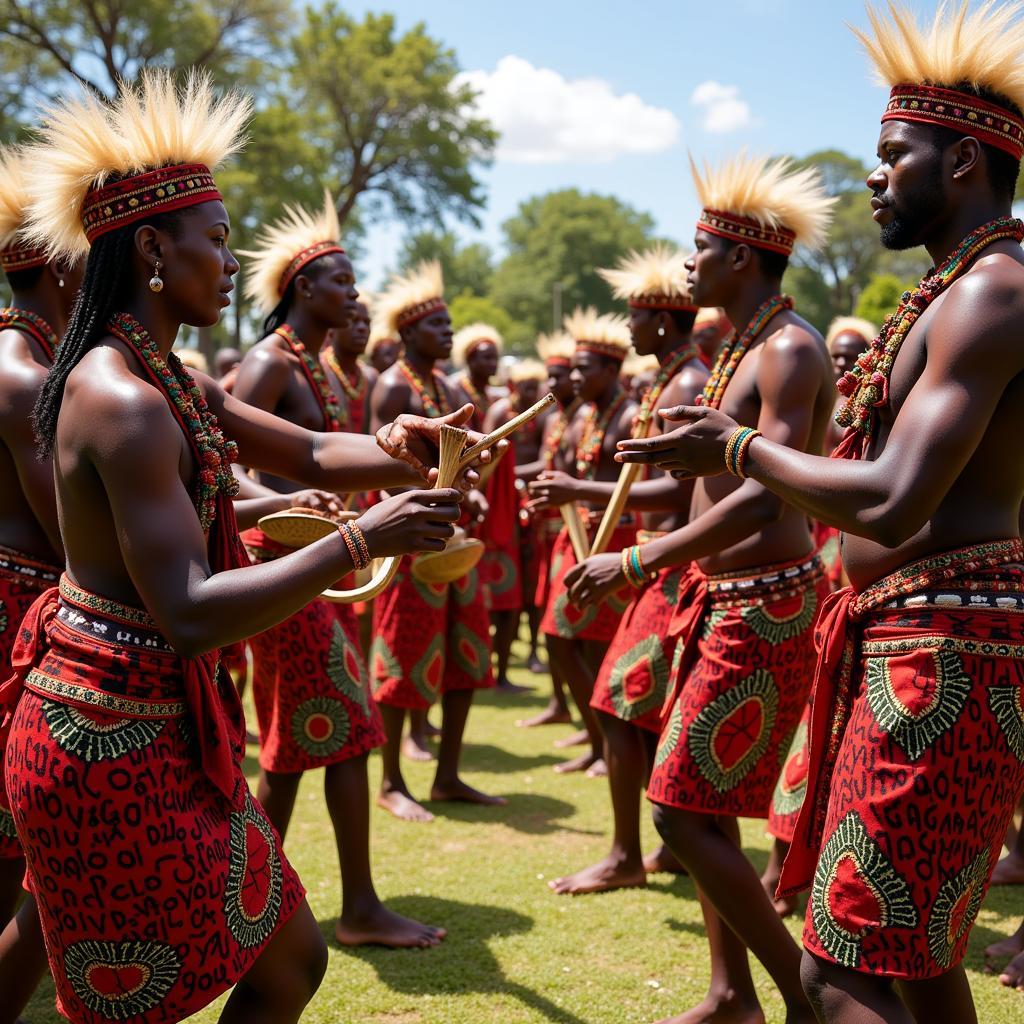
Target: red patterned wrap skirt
(547, 526)
(501, 565)
(429, 638)
(633, 681)
(22, 580)
(159, 880)
(309, 684)
(916, 761)
(595, 622)
(791, 788)
(744, 664)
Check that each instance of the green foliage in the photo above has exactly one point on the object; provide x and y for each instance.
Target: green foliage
(880, 297)
(466, 268)
(385, 109)
(555, 244)
(466, 309)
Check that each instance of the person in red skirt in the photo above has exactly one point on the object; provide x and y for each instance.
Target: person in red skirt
(310, 685)
(349, 377)
(633, 680)
(160, 881)
(431, 640)
(577, 640)
(42, 295)
(749, 599)
(916, 749)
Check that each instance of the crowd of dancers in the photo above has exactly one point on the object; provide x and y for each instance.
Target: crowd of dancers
(746, 626)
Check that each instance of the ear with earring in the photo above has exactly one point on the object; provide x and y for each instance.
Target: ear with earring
(156, 282)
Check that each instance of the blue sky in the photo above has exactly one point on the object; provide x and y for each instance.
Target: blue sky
(601, 96)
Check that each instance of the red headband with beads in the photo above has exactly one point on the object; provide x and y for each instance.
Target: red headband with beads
(414, 313)
(655, 300)
(746, 229)
(303, 259)
(21, 257)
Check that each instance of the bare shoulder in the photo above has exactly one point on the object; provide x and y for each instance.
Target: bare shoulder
(21, 374)
(267, 356)
(793, 334)
(987, 302)
(686, 385)
(370, 375)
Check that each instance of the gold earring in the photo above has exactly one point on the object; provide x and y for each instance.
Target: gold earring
(156, 283)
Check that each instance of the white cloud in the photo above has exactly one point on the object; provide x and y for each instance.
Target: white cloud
(724, 110)
(543, 118)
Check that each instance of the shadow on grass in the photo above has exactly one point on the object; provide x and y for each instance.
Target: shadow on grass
(532, 813)
(489, 758)
(463, 963)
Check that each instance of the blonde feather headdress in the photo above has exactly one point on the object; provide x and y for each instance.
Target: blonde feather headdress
(15, 253)
(523, 370)
(935, 69)
(605, 334)
(472, 336)
(286, 247)
(100, 166)
(411, 297)
(766, 203)
(556, 348)
(653, 279)
(851, 325)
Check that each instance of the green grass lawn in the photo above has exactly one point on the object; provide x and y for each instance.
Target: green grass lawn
(515, 952)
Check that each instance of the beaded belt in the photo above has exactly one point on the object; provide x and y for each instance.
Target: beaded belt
(22, 568)
(731, 590)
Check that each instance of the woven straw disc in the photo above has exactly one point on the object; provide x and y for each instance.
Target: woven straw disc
(296, 528)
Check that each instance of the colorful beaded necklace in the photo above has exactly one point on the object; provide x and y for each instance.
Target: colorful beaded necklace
(316, 378)
(216, 453)
(866, 386)
(588, 450)
(553, 442)
(32, 324)
(480, 400)
(432, 407)
(354, 391)
(652, 395)
(736, 348)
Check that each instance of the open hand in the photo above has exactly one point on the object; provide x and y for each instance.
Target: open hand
(695, 449)
(552, 489)
(316, 501)
(476, 505)
(411, 521)
(593, 580)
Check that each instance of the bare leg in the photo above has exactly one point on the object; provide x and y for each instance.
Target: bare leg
(276, 792)
(557, 711)
(533, 618)
(626, 756)
(708, 847)
(1010, 870)
(394, 795)
(770, 879)
(364, 919)
(506, 625)
(946, 999)
(22, 960)
(285, 976)
(12, 871)
(999, 952)
(842, 996)
(574, 662)
(415, 746)
(455, 705)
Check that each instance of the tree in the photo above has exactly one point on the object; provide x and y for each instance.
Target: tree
(399, 132)
(467, 269)
(468, 309)
(880, 297)
(555, 244)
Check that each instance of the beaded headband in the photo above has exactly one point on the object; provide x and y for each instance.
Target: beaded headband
(21, 257)
(655, 301)
(928, 104)
(557, 361)
(141, 195)
(746, 229)
(602, 348)
(303, 259)
(409, 316)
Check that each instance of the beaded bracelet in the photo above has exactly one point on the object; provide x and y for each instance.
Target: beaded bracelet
(736, 449)
(633, 567)
(741, 452)
(355, 541)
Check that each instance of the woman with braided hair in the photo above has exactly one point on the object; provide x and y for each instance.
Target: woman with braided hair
(125, 739)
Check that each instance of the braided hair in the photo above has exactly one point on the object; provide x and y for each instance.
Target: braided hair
(106, 284)
(278, 316)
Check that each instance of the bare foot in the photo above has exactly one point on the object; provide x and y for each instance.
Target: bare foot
(577, 739)
(598, 770)
(1010, 870)
(402, 806)
(1005, 949)
(578, 764)
(415, 748)
(1012, 976)
(460, 792)
(505, 686)
(534, 664)
(383, 927)
(663, 860)
(431, 731)
(551, 715)
(603, 876)
(720, 1010)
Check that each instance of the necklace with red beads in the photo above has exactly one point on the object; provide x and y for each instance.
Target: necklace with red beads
(736, 348)
(553, 441)
(215, 451)
(32, 324)
(316, 378)
(355, 390)
(432, 406)
(588, 450)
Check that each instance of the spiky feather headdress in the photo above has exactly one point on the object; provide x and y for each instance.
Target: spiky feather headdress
(935, 69)
(605, 334)
(471, 337)
(15, 253)
(286, 247)
(100, 166)
(766, 203)
(411, 297)
(523, 370)
(851, 325)
(653, 279)
(556, 348)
